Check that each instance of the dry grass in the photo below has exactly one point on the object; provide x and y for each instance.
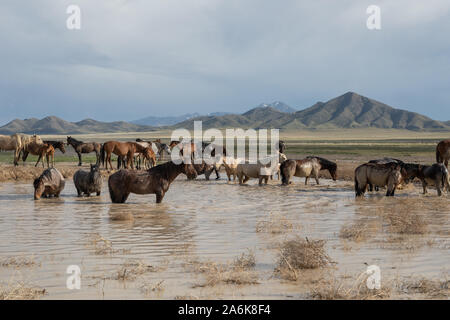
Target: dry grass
(357, 231)
(103, 246)
(404, 222)
(430, 288)
(149, 288)
(343, 289)
(19, 262)
(132, 269)
(239, 272)
(297, 254)
(276, 224)
(19, 290)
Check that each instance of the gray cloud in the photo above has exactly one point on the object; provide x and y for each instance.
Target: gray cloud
(137, 58)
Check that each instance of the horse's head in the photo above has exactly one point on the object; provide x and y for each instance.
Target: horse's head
(189, 170)
(37, 139)
(62, 147)
(39, 188)
(69, 139)
(410, 171)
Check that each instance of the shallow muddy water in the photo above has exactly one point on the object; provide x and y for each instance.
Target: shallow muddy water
(212, 221)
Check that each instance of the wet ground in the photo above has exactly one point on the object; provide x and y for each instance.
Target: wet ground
(213, 221)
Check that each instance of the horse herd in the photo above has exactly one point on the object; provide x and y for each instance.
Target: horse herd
(156, 179)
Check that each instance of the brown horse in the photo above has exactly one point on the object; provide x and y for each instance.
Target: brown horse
(84, 147)
(309, 167)
(56, 145)
(41, 150)
(389, 174)
(443, 152)
(47, 151)
(123, 149)
(156, 180)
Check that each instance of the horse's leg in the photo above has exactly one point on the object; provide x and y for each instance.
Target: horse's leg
(159, 196)
(316, 176)
(217, 173)
(260, 180)
(306, 180)
(424, 186)
(246, 178)
(79, 158)
(266, 179)
(438, 187)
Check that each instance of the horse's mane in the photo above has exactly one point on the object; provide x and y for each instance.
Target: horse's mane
(163, 169)
(76, 141)
(324, 163)
(46, 174)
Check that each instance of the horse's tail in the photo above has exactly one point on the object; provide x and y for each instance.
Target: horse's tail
(102, 154)
(445, 179)
(438, 155)
(357, 188)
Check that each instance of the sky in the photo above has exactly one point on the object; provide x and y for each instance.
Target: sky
(137, 58)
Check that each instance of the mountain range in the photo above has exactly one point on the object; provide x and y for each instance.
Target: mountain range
(349, 110)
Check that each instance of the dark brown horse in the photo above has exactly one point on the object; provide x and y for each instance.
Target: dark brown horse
(122, 149)
(154, 181)
(84, 147)
(436, 174)
(443, 152)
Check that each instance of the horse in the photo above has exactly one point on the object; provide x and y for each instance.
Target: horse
(384, 160)
(18, 142)
(443, 152)
(262, 170)
(122, 149)
(326, 165)
(47, 151)
(300, 168)
(153, 181)
(147, 157)
(204, 168)
(56, 145)
(84, 147)
(436, 174)
(50, 183)
(389, 174)
(230, 165)
(88, 182)
(162, 147)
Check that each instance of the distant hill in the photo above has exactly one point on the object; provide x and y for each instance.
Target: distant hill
(55, 125)
(166, 121)
(349, 110)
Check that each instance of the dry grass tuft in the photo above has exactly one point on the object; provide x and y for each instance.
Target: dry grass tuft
(149, 288)
(276, 224)
(19, 262)
(297, 254)
(356, 231)
(246, 260)
(405, 222)
(132, 269)
(339, 289)
(431, 288)
(20, 291)
(103, 246)
(239, 272)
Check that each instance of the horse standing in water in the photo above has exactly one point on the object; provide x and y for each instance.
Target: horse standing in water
(443, 152)
(82, 147)
(50, 183)
(154, 181)
(380, 175)
(326, 164)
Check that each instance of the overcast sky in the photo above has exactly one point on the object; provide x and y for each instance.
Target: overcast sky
(137, 58)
